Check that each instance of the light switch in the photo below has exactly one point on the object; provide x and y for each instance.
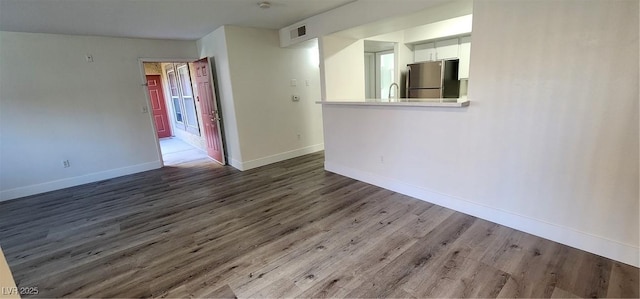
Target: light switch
(294, 82)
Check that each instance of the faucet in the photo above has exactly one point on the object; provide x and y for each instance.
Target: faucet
(397, 91)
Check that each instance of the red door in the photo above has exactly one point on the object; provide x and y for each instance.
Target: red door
(209, 108)
(158, 107)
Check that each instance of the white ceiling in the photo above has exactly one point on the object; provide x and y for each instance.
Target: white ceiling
(162, 19)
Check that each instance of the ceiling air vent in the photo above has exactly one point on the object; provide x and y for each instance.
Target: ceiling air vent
(298, 32)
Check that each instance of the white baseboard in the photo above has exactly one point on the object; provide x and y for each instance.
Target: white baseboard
(235, 163)
(277, 157)
(75, 181)
(624, 253)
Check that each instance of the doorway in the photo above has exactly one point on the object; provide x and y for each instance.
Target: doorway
(385, 73)
(380, 70)
(184, 110)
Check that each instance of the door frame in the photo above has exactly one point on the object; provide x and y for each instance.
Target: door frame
(144, 107)
(370, 76)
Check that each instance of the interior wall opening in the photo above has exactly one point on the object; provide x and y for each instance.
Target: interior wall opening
(184, 111)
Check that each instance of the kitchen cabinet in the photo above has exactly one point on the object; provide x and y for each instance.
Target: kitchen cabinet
(465, 54)
(444, 49)
(424, 52)
(447, 49)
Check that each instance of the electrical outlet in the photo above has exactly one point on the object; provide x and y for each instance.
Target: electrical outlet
(298, 136)
(66, 164)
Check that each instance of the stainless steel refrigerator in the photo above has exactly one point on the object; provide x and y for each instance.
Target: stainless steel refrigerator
(433, 79)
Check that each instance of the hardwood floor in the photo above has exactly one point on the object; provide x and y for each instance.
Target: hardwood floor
(285, 230)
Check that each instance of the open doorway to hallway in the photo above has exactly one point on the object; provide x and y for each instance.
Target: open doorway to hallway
(184, 110)
(176, 152)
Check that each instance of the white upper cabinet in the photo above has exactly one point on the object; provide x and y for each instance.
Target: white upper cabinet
(424, 52)
(465, 54)
(444, 49)
(447, 49)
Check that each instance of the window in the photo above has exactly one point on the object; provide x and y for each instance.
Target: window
(175, 96)
(185, 115)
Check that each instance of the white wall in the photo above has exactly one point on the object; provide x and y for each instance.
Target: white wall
(451, 27)
(343, 68)
(380, 16)
(448, 10)
(255, 75)
(272, 127)
(549, 144)
(55, 106)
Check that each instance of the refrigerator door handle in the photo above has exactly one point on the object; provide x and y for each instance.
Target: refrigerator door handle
(407, 82)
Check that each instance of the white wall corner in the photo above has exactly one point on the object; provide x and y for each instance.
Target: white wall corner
(278, 157)
(236, 164)
(626, 253)
(76, 181)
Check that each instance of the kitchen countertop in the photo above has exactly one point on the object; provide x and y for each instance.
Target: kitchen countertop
(450, 103)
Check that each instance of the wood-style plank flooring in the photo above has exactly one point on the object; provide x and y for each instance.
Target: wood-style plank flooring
(289, 229)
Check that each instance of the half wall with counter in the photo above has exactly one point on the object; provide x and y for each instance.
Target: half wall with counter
(550, 149)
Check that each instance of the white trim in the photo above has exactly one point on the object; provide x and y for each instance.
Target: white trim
(235, 163)
(149, 113)
(322, 67)
(276, 158)
(626, 253)
(76, 181)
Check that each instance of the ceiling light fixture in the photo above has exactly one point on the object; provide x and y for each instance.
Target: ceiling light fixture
(264, 4)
